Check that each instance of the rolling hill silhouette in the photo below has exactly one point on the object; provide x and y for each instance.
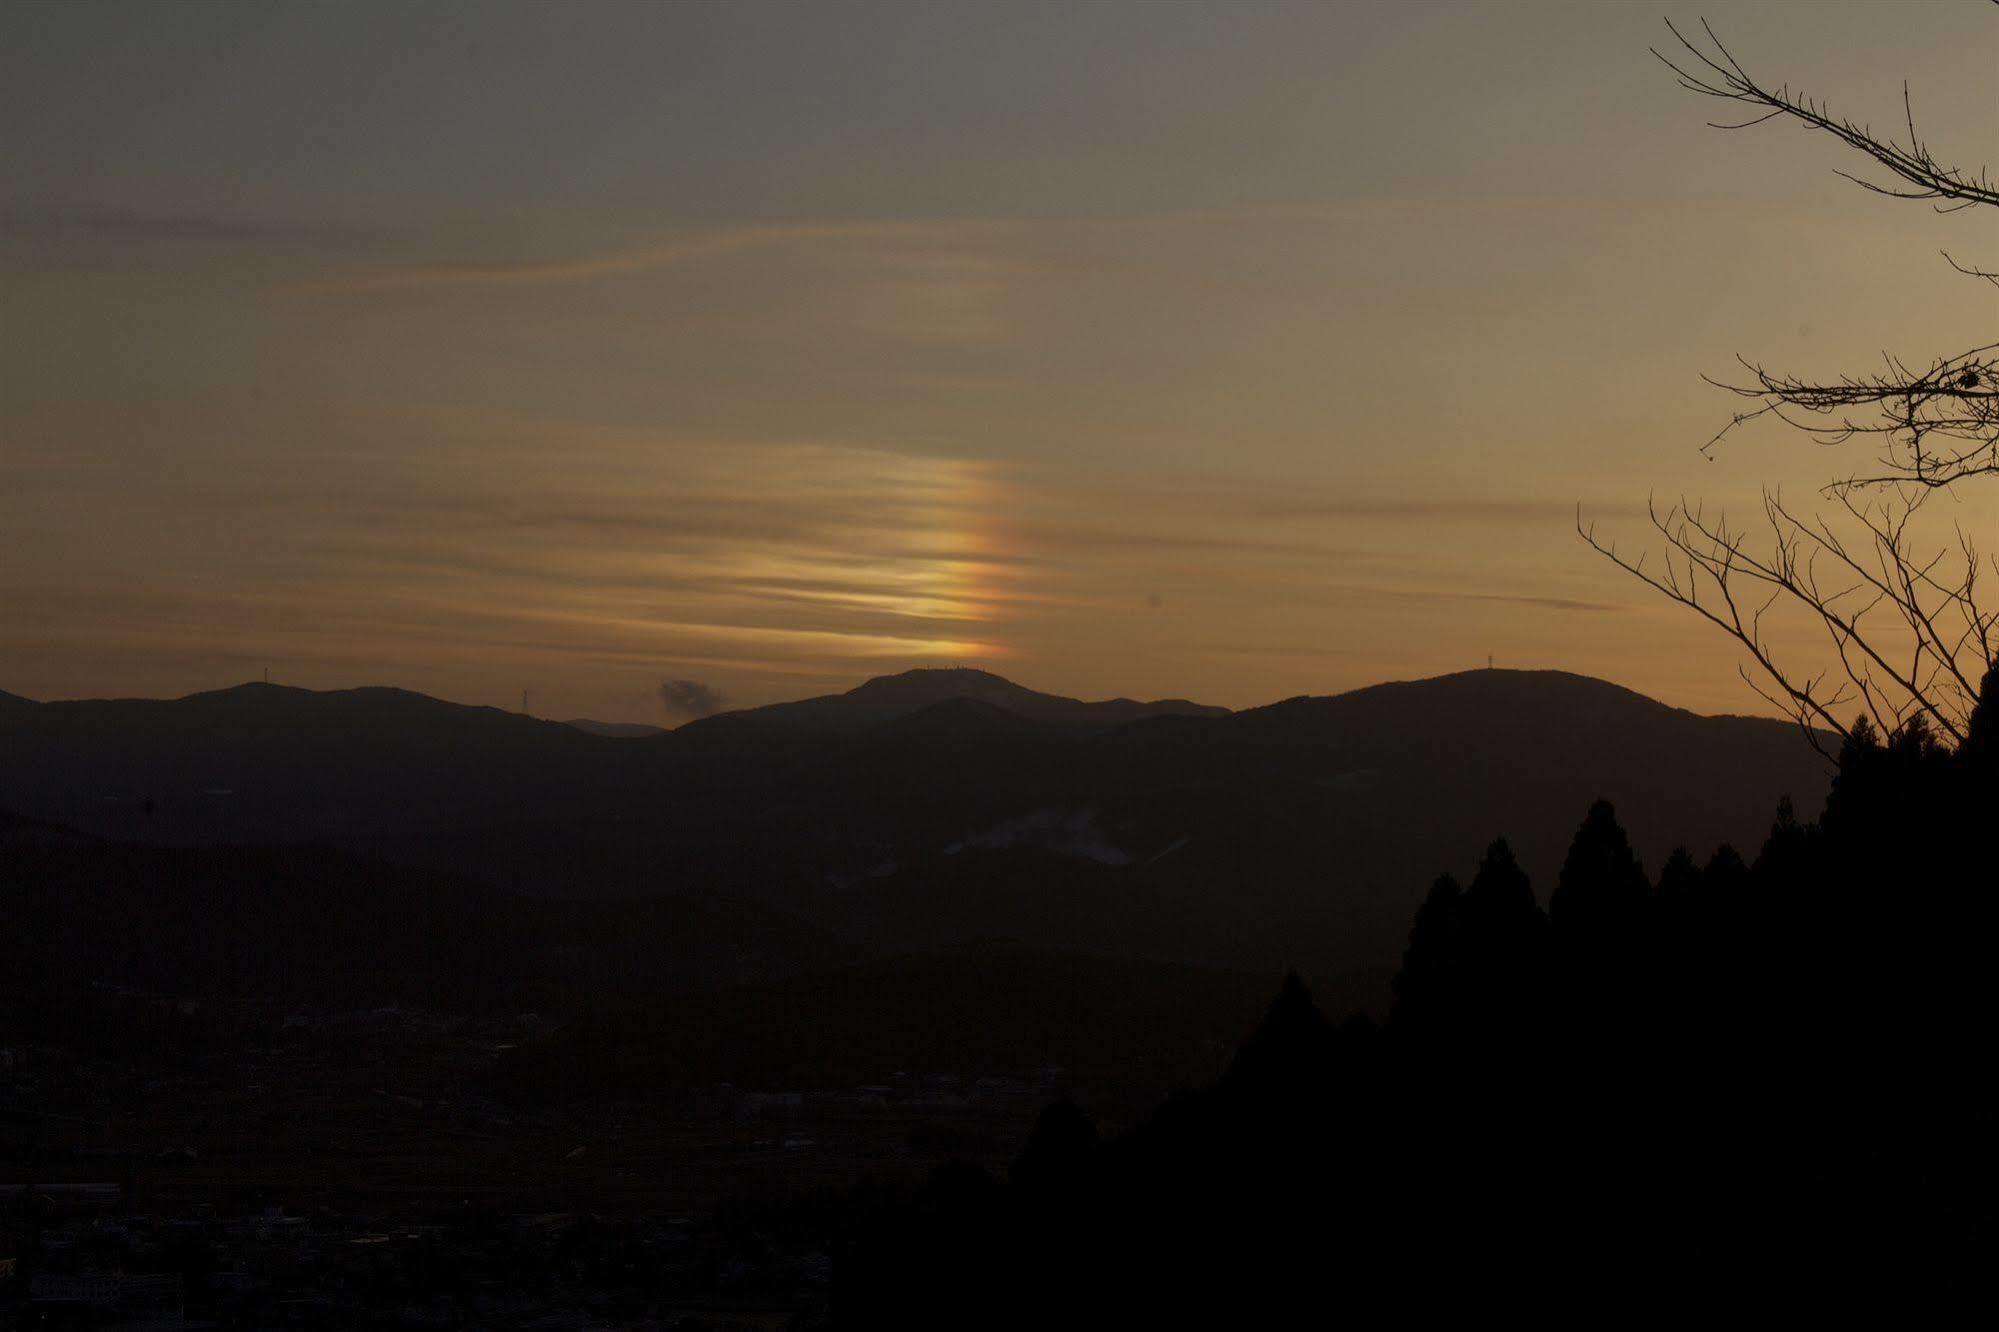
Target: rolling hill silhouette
(888, 697)
(268, 763)
(255, 713)
(903, 816)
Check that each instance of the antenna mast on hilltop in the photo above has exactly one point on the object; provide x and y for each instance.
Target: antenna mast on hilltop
(524, 704)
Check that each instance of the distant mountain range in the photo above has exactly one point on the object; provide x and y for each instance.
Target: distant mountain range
(928, 808)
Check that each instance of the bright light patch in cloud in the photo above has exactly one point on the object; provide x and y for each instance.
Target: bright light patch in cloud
(811, 551)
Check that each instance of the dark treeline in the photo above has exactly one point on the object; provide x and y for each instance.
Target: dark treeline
(1753, 1085)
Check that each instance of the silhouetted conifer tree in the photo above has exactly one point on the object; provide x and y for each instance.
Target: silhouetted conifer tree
(1673, 941)
(1602, 889)
(1679, 877)
(1724, 874)
(1980, 750)
(1422, 986)
(1783, 850)
(1596, 914)
(1501, 952)
(1291, 1052)
(1499, 906)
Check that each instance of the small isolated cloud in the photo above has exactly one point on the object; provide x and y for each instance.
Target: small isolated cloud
(690, 698)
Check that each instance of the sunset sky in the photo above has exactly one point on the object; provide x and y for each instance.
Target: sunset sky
(1229, 352)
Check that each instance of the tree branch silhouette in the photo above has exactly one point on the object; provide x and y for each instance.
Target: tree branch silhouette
(1938, 422)
(1908, 642)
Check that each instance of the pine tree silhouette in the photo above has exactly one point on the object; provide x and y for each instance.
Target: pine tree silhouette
(1422, 987)
(1601, 892)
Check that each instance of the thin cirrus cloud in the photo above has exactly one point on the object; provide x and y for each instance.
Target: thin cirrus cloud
(1531, 600)
(1470, 510)
(459, 537)
(817, 551)
(799, 550)
(1226, 503)
(694, 247)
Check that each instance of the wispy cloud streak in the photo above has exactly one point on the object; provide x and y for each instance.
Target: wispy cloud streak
(692, 247)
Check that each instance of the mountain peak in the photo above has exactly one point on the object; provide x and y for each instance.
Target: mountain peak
(889, 697)
(925, 685)
(918, 675)
(1485, 688)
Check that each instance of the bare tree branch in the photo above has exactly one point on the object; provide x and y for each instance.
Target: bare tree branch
(1714, 72)
(1906, 640)
(1905, 627)
(1936, 425)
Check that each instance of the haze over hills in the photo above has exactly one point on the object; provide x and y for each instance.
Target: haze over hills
(902, 816)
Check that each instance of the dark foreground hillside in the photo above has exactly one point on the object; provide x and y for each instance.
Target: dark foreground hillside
(1754, 1086)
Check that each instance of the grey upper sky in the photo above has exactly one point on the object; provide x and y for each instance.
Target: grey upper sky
(1230, 351)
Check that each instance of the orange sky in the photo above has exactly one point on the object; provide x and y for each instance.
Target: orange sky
(1231, 352)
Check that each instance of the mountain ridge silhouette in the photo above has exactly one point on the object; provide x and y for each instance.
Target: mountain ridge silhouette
(885, 697)
(879, 698)
(1304, 830)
